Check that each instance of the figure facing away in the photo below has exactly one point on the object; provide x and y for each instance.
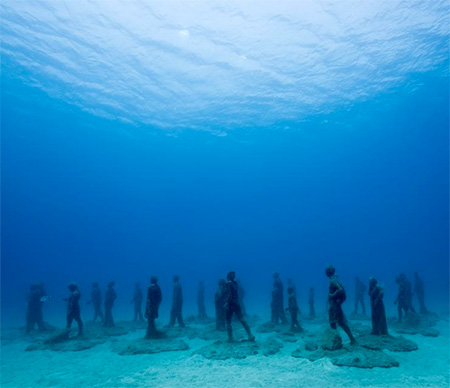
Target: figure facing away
(420, 292)
(290, 283)
(337, 296)
(176, 313)
(379, 324)
(96, 300)
(73, 308)
(277, 300)
(201, 300)
(219, 301)
(404, 296)
(241, 291)
(154, 298)
(360, 289)
(110, 297)
(312, 311)
(232, 306)
(293, 310)
(34, 309)
(137, 301)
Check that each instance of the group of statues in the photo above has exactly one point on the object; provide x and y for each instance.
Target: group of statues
(229, 302)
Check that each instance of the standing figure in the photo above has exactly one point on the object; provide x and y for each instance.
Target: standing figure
(290, 283)
(293, 310)
(137, 300)
(408, 292)
(201, 300)
(312, 312)
(404, 297)
(43, 296)
(219, 301)
(177, 303)
(34, 309)
(420, 292)
(241, 291)
(73, 308)
(154, 298)
(337, 296)
(110, 297)
(232, 306)
(379, 324)
(277, 300)
(96, 299)
(360, 289)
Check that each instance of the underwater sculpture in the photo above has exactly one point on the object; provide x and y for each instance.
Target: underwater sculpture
(404, 297)
(290, 283)
(201, 300)
(154, 298)
(96, 300)
(219, 301)
(312, 311)
(34, 309)
(379, 324)
(73, 308)
(293, 309)
(176, 313)
(337, 296)
(110, 297)
(232, 306)
(420, 292)
(360, 289)
(277, 301)
(137, 301)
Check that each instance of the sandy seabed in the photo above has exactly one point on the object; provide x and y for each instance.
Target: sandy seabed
(100, 367)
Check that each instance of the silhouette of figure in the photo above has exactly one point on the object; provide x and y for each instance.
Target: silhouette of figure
(137, 300)
(176, 312)
(154, 298)
(404, 296)
(277, 300)
(293, 309)
(409, 293)
(201, 300)
(420, 292)
(379, 324)
(219, 300)
(34, 309)
(110, 297)
(337, 296)
(73, 308)
(312, 312)
(360, 288)
(42, 297)
(241, 291)
(232, 306)
(96, 300)
(290, 283)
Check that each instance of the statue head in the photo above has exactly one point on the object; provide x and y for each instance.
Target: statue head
(330, 271)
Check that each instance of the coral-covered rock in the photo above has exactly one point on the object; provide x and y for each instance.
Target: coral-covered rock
(145, 346)
(394, 344)
(331, 340)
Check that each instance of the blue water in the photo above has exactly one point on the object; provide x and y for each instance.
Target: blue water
(117, 167)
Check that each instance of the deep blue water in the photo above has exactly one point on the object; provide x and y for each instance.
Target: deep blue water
(364, 186)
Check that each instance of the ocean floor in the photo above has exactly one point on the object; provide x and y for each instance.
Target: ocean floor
(198, 356)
